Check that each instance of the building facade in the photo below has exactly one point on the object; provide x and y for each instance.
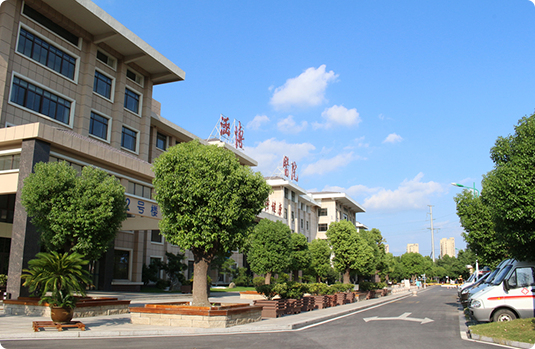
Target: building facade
(447, 247)
(413, 248)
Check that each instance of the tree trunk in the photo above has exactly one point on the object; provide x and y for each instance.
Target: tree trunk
(346, 276)
(268, 278)
(200, 273)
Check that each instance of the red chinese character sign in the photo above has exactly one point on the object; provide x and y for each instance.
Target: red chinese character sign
(288, 170)
(294, 172)
(229, 133)
(285, 165)
(238, 133)
(225, 126)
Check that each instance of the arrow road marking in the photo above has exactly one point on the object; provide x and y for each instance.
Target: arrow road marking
(404, 317)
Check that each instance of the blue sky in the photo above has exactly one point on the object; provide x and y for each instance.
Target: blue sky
(388, 101)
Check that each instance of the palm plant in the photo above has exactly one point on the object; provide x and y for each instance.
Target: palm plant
(57, 277)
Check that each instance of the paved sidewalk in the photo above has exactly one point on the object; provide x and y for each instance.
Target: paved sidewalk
(20, 327)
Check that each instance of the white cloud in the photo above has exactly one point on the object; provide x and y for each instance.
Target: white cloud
(257, 122)
(288, 125)
(353, 191)
(270, 152)
(393, 138)
(307, 89)
(339, 115)
(411, 194)
(329, 165)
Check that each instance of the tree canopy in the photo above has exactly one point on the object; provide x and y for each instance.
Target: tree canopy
(320, 259)
(269, 248)
(74, 213)
(509, 189)
(299, 254)
(479, 233)
(209, 203)
(351, 250)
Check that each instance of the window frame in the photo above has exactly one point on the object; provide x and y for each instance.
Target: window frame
(110, 57)
(161, 237)
(136, 150)
(130, 254)
(49, 90)
(165, 140)
(139, 104)
(76, 57)
(140, 83)
(109, 126)
(112, 87)
(323, 212)
(323, 225)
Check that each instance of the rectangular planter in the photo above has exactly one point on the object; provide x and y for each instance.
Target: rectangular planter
(293, 306)
(320, 302)
(272, 308)
(308, 303)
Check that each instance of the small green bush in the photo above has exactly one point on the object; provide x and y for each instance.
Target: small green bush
(266, 290)
(161, 284)
(259, 280)
(282, 278)
(342, 287)
(3, 279)
(318, 288)
(242, 278)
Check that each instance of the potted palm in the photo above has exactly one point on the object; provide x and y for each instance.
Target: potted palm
(56, 278)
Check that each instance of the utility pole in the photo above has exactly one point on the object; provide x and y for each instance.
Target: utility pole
(432, 233)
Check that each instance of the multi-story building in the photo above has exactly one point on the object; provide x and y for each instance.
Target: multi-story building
(413, 248)
(76, 85)
(447, 247)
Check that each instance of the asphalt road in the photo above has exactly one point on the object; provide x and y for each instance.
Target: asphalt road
(429, 320)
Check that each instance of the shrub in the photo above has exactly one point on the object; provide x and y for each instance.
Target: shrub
(282, 278)
(162, 284)
(266, 290)
(318, 288)
(259, 280)
(3, 279)
(242, 278)
(342, 287)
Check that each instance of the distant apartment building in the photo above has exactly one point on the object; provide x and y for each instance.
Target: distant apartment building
(447, 247)
(413, 248)
(387, 248)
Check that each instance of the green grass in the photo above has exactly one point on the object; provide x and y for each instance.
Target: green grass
(235, 289)
(521, 330)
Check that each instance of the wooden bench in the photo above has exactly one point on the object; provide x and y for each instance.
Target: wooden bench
(42, 324)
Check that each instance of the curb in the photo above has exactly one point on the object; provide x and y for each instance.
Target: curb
(478, 338)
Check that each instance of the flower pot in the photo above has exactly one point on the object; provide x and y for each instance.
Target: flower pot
(293, 306)
(320, 302)
(61, 315)
(308, 303)
(272, 307)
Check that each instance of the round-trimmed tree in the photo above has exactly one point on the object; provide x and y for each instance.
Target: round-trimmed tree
(269, 248)
(209, 203)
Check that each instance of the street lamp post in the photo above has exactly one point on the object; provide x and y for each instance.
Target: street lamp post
(474, 190)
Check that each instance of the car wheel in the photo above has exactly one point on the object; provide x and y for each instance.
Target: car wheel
(503, 315)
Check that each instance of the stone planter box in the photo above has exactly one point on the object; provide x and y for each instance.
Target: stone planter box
(341, 298)
(332, 300)
(85, 307)
(272, 308)
(251, 295)
(183, 315)
(308, 303)
(293, 306)
(350, 297)
(320, 302)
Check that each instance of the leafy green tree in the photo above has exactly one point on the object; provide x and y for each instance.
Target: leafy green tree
(479, 231)
(375, 241)
(414, 264)
(300, 255)
(464, 258)
(209, 203)
(509, 190)
(269, 248)
(320, 259)
(74, 213)
(387, 266)
(351, 250)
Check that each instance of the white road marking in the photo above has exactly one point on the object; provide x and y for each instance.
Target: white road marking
(403, 317)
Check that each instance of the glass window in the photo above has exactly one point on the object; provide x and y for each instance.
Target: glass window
(293, 196)
(121, 265)
(323, 227)
(156, 236)
(98, 126)
(7, 208)
(161, 141)
(41, 51)
(302, 224)
(102, 84)
(52, 26)
(32, 97)
(286, 193)
(322, 212)
(131, 101)
(129, 139)
(9, 162)
(104, 58)
(307, 225)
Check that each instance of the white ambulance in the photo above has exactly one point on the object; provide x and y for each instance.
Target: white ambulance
(510, 295)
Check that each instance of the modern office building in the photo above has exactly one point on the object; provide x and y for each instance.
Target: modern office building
(447, 247)
(413, 248)
(76, 86)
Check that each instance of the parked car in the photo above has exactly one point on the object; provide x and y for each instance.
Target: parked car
(509, 296)
(482, 283)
